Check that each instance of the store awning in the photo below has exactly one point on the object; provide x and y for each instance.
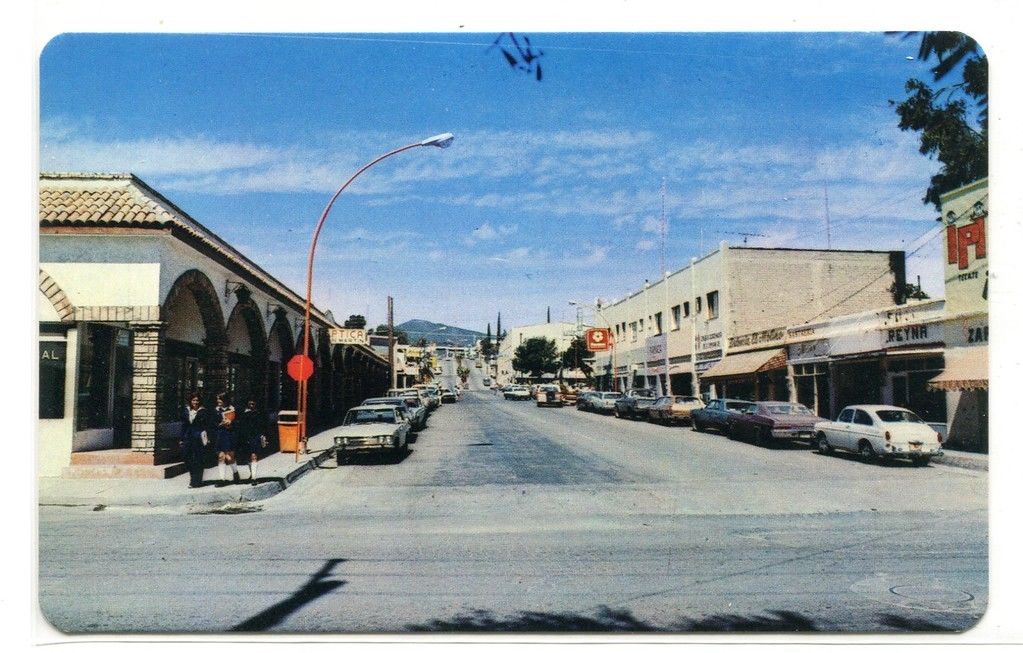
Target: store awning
(965, 369)
(747, 363)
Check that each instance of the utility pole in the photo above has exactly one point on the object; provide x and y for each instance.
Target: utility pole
(390, 341)
(827, 214)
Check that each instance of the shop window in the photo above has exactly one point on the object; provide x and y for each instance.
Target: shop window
(676, 317)
(94, 378)
(712, 305)
(52, 374)
(181, 374)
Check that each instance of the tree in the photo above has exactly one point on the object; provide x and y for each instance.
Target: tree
(400, 337)
(536, 357)
(942, 116)
(355, 322)
(487, 345)
(576, 356)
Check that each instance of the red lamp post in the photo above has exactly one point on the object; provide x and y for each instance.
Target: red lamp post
(440, 140)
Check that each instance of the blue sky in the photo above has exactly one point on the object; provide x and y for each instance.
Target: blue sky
(552, 191)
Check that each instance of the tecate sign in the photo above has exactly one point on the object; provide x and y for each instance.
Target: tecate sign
(348, 337)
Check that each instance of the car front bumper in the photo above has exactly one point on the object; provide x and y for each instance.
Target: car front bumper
(793, 434)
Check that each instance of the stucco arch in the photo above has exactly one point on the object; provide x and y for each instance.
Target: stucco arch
(247, 311)
(61, 304)
(195, 287)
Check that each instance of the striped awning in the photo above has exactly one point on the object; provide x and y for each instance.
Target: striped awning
(965, 369)
(747, 363)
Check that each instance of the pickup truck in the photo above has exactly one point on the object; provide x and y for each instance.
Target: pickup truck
(634, 404)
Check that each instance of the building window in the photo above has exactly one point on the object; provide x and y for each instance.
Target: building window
(676, 312)
(52, 366)
(657, 324)
(632, 332)
(712, 305)
(685, 309)
(699, 305)
(642, 327)
(618, 333)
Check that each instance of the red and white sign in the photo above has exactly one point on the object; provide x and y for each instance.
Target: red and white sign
(598, 339)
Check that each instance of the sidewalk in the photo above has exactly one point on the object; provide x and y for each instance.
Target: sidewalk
(962, 459)
(274, 474)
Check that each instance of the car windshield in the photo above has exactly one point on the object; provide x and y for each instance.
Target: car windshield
(611, 395)
(898, 416)
(788, 409)
(370, 417)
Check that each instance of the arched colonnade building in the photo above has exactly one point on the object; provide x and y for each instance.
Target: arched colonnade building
(140, 305)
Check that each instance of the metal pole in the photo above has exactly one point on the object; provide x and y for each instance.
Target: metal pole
(303, 388)
(390, 340)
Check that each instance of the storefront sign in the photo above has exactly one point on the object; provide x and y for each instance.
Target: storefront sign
(757, 338)
(706, 365)
(966, 268)
(709, 341)
(967, 332)
(917, 334)
(812, 350)
(348, 337)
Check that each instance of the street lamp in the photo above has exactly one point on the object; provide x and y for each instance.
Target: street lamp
(441, 141)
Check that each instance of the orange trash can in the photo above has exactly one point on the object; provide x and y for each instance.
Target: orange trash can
(287, 430)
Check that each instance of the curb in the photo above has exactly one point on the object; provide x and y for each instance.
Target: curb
(962, 462)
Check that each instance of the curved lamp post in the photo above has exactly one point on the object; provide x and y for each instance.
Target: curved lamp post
(440, 140)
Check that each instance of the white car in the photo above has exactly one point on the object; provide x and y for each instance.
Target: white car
(379, 428)
(516, 392)
(549, 395)
(875, 431)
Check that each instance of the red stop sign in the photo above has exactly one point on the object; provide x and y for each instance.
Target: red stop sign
(300, 367)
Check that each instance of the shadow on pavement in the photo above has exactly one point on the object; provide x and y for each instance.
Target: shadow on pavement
(314, 588)
(609, 620)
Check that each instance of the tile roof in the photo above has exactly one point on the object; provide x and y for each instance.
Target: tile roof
(69, 199)
(98, 200)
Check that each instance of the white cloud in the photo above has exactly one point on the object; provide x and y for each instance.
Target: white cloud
(645, 245)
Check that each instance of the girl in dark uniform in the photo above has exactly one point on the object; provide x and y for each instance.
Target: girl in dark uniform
(250, 428)
(225, 440)
(195, 424)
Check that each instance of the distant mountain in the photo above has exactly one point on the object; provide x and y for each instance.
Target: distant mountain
(439, 334)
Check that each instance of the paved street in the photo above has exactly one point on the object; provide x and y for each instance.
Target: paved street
(508, 517)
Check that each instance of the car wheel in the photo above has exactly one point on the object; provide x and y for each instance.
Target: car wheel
(341, 459)
(764, 438)
(822, 445)
(867, 453)
(697, 426)
(617, 414)
(921, 461)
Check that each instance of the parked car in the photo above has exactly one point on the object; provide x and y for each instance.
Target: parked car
(410, 407)
(549, 395)
(516, 393)
(448, 396)
(767, 421)
(673, 409)
(634, 403)
(715, 414)
(604, 402)
(583, 401)
(569, 395)
(372, 429)
(879, 432)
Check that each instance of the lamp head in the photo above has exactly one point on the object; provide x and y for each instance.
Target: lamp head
(440, 140)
